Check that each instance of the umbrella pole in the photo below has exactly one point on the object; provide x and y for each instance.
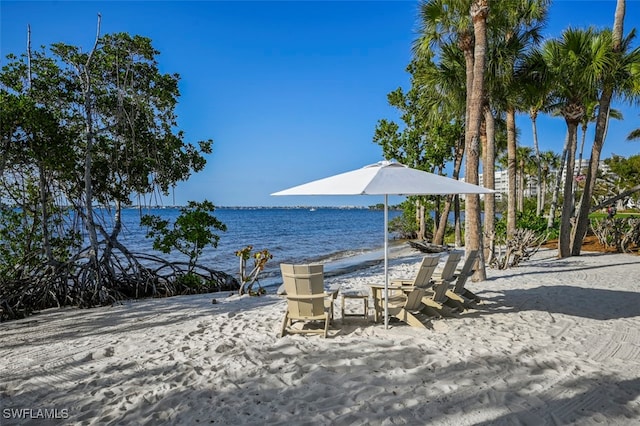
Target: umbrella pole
(386, 256)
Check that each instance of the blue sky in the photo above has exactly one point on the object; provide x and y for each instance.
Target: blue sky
(289, 91)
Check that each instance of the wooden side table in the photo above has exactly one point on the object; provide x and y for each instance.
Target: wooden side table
(362, 295)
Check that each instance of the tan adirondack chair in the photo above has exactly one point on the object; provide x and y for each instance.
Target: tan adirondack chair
(408, 308)
(425, 272)
(434, 299)
(306, 299)
(422, 279)
(458, 295)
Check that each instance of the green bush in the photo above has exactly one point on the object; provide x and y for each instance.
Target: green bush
(191, 232)
(189, 280)
(623, 233)
(406, 225)
(528, 219)
(406, 229)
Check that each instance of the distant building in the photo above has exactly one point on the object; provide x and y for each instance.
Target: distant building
(502, 179)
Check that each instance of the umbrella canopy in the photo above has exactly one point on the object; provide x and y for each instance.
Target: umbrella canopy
(385, 178)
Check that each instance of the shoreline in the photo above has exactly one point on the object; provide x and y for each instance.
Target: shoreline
(555, 341)
(398, 249)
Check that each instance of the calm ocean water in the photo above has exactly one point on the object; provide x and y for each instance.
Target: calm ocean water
(291, 235)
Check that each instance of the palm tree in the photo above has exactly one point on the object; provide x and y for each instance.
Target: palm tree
(523, 157)
(515, 29)
(535, 97)
(488, 137)
(571, 61)
(590, 116)
(619, 77)
(443, 24)
(451, 20)
(549, 163)
(448, 22)
(441, 88)
(634, 135)
(475, 94)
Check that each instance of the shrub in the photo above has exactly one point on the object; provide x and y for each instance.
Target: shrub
(623, 234)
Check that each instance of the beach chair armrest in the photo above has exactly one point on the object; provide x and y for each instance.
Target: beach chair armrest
(307, 296)
(401, 281)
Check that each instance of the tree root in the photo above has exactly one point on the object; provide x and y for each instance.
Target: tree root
(85, 281)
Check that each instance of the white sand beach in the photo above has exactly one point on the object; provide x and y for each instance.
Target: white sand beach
(555, 342)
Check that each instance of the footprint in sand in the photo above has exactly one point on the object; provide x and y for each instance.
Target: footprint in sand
(223, 348)
(200, 330)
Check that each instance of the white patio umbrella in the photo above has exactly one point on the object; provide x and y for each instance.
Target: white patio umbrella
(385, 178)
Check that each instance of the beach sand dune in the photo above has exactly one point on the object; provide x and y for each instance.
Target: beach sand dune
(556, 341)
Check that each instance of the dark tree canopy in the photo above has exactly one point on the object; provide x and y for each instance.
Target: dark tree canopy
(83, 132)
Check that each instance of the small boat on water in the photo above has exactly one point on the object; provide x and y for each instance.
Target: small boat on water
(312, 209)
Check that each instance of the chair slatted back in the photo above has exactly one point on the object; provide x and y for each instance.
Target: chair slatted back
(414, 299)
(449, 269)
(304, 286)
(466, 271)
(427, 267)
(446, 276)
(440, 291)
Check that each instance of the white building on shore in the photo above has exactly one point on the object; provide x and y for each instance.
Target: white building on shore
(502, 179)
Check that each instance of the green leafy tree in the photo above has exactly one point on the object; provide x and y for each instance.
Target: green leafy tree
(446, 31)
(575, 61)
(514, 30)
(192, 231)
(89, 129)
(421, 144)
(634, 135)
(623, 180)
(441, 86)
(619, 78)
(549, 163)
(35, 142)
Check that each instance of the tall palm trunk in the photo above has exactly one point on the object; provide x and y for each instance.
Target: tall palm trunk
(457, 220)
(582, 141)
(543, 193)
(466, 44)
(533, 114)
(582, 222)
(473, 228)
(564, 241)
(489, 181)
(511, 172)
(618, 24)
(557, 182)
(438, 237)
(576, 210)
(521, 184)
